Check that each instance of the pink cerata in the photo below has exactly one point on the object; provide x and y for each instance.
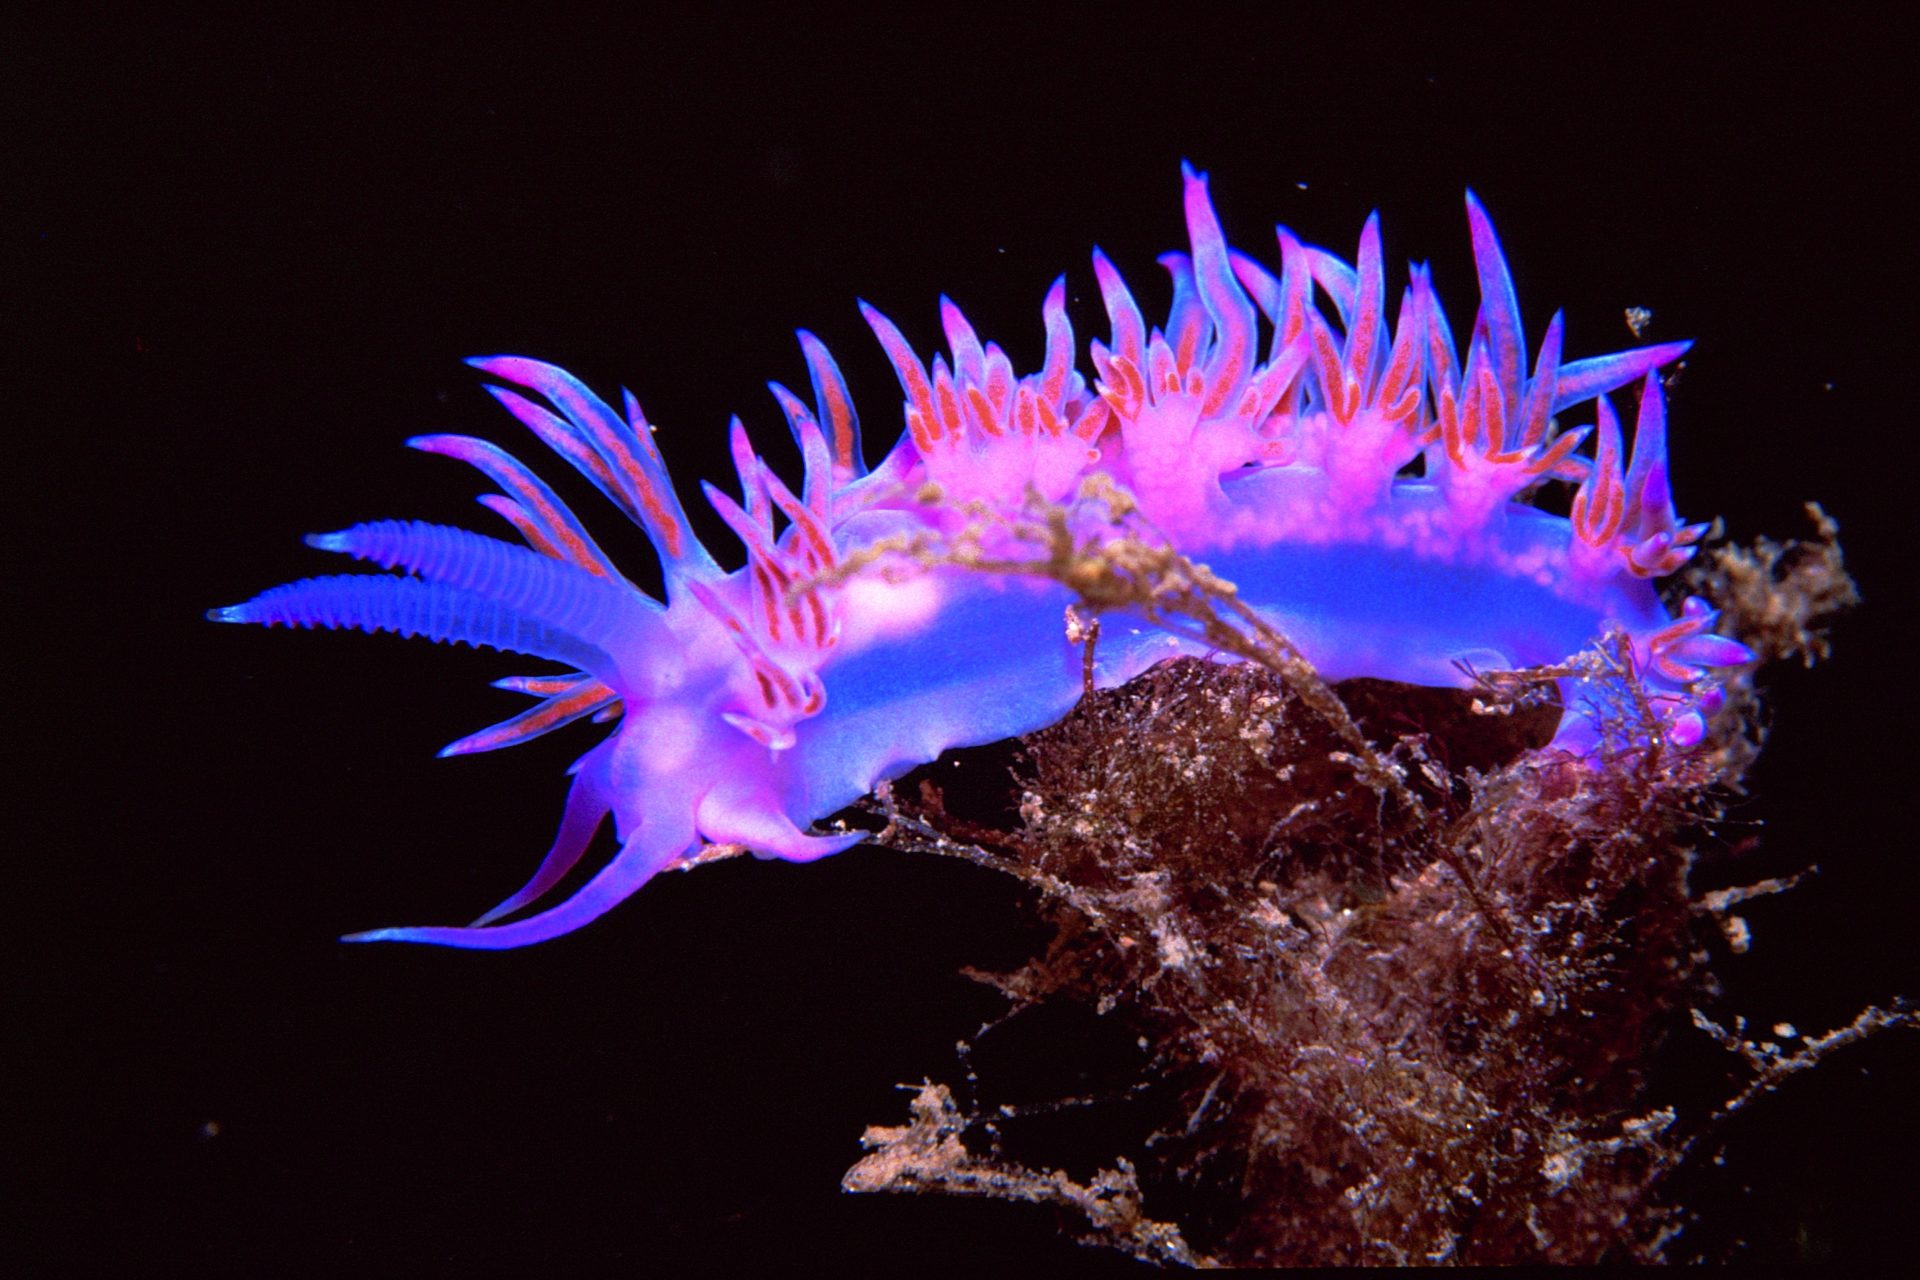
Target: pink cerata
(1362, 486)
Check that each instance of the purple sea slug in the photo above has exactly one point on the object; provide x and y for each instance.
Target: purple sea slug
(1363, 487)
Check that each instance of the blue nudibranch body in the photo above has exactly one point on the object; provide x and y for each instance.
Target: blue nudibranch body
(755, 702)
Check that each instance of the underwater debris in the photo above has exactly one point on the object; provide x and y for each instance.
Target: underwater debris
(1397, 968)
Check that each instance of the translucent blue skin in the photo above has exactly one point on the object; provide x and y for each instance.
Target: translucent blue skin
(999, 663)
(752, 704)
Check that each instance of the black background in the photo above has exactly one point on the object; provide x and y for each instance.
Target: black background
(243, 259)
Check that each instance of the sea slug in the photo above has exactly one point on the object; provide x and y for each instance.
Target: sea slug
(1364, 488)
